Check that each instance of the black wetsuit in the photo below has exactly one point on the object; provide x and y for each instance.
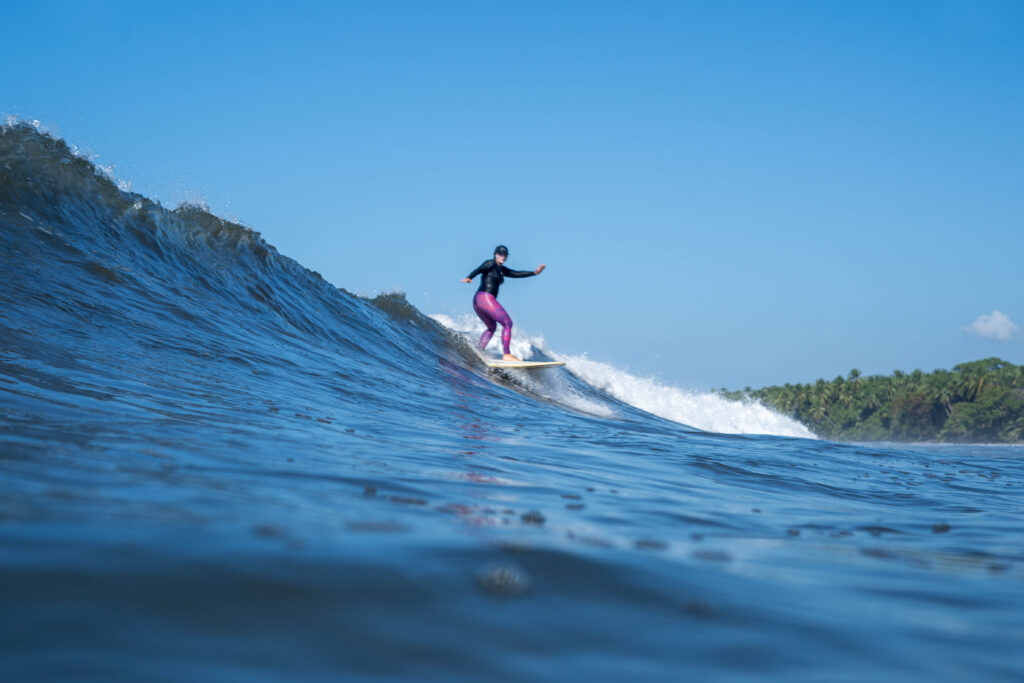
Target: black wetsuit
(492, 275)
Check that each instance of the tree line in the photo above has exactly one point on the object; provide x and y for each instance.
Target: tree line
(979, 402)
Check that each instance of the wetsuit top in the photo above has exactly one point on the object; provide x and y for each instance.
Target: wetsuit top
(492, 275)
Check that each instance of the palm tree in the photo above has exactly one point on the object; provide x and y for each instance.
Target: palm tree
(819, 411)
(854, 379)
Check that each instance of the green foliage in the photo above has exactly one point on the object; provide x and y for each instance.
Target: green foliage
(981, 401)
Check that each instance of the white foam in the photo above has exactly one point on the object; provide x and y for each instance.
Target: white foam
(703, 410)
(707, 411)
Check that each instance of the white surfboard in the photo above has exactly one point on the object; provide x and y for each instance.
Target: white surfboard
(519, 364)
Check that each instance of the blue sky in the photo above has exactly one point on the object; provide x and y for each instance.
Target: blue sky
(725, 193)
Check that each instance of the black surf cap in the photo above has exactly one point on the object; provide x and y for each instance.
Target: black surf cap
(501, 249)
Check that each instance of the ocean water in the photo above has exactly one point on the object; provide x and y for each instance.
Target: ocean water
(215, 465)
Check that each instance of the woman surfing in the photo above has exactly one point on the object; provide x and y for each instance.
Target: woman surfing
(492, 273)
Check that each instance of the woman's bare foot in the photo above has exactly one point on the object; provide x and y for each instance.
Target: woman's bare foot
(509, 356)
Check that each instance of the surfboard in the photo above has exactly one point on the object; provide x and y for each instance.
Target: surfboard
(523, 364)
(520, 364)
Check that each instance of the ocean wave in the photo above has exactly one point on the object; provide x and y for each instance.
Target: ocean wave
(217, 465)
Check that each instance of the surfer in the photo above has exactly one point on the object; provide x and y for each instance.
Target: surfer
(492, 273)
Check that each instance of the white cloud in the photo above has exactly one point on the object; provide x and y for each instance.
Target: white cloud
(996, 325)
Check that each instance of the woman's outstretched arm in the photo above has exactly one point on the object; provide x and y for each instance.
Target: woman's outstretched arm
(479, 269)
(508, 272)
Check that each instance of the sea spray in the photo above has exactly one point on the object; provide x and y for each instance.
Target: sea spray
(705, 411)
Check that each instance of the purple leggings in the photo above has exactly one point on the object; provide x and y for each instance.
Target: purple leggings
(491, 312)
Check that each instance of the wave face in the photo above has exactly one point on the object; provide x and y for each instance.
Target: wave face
(215, 464)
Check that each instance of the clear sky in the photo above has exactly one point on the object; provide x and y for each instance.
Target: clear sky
(725, 193)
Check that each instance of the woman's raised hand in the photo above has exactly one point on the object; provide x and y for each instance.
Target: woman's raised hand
(466, 279)
(539, 269)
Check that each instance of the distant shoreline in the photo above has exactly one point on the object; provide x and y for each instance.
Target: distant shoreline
(975, 403)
